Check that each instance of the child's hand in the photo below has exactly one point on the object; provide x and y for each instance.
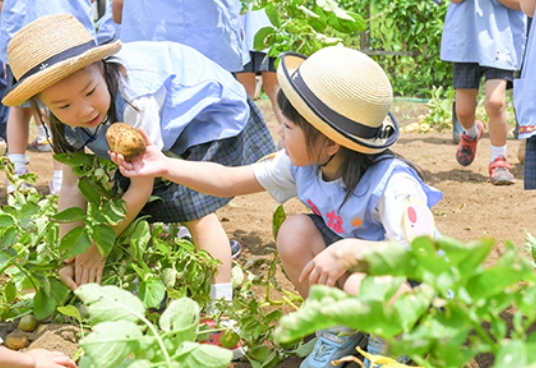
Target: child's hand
(50, 359)
(152, 163)
(88, 266)
(67, 276)
(324, 269)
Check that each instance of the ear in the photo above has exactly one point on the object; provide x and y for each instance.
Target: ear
(332, 147)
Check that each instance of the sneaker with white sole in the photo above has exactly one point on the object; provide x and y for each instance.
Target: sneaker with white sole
(43, 146)
(377, 346)
(332, 345)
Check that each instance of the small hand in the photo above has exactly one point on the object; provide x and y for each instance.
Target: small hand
(89, 266)
(67, 276)
(50, 359)
(323, 269)
(151, 163)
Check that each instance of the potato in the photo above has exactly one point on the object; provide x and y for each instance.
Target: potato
(17, 341)
(28, 323)
(124, 139)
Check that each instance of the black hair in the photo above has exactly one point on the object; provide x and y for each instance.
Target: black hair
(113, 73)
(354, 164)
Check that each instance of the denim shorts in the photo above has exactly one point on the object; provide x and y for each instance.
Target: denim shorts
(469, 75)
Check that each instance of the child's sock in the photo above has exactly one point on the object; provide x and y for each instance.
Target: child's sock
(218, 292)
(472, 132)
(57, 177)
(497, 151)
(41, 134)
(19, 160)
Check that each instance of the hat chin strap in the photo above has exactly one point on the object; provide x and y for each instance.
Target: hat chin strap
(328, 161)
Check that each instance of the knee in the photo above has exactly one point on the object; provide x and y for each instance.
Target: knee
(294, 235)
(495, 105)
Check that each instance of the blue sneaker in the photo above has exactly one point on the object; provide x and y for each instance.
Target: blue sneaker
(376, 346)
(333, 345)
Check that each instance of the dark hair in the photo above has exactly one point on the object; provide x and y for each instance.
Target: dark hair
(113, 72)
(354, 164)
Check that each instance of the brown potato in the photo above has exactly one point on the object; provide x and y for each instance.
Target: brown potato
(28, 323)
(16, 341)
(124, 139)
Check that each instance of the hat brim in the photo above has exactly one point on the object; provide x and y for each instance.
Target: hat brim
(22, 91)
(289, 63)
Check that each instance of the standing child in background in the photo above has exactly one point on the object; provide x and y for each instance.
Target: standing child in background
(336, 135)
(188, 105)
(212, 27)
(15, 15)
(484, 38)
(525, 102)
(260, 63)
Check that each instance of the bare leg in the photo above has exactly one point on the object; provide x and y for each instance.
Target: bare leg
(298, 242)
(271, 87)
(249, 81)
(18, 129)
(495, 105)
(208, 234)
(466, 106)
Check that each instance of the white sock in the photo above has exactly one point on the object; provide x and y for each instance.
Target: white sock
(19, 160)
(219, 291)
(57, 177)
(41, 134)
(497, 151)
(472, 132)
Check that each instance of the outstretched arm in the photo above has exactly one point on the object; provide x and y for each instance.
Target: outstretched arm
(205, 177)
(34, 358)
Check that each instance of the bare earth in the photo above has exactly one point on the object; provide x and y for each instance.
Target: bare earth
(472, 208)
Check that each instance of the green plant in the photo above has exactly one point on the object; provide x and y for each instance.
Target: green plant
(440, 108)
(123, 336)
(441, 323)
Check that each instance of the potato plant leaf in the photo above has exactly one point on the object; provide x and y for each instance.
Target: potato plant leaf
(152, 291)
(192, 354)
(109, 303)
(68, 215)
(181, 318)
(111, 342)
(75, 242)
(104, 238)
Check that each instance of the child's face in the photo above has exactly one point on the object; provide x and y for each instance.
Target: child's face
(295, 144)
(79, 100)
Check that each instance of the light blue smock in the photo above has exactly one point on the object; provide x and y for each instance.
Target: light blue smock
(355, 219)
(18, 13)
(484, 32)
(107, 29)
(213, 27)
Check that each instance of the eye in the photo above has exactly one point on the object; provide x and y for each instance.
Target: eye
(63, 107)
(91, 92)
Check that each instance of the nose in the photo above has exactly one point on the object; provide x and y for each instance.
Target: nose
(85, 110)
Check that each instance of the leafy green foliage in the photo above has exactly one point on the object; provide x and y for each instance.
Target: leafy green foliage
(439, 323)
(301, 26)
(123, 336)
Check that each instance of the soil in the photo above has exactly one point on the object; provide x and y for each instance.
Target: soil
(472, 208)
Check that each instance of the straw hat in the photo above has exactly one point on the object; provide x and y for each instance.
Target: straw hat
(47, 50)
(344, 94)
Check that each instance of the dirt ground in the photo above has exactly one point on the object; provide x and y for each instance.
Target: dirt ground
(472, 208)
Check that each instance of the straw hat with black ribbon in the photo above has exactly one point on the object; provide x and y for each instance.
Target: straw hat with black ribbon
(47, 50)
(344, 94)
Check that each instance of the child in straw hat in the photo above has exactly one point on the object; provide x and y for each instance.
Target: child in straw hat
(336, 160)
(185, 102)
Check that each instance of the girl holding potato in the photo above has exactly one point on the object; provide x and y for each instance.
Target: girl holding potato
(336, 135)
(186, 103)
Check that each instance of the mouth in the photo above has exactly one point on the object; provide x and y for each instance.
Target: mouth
(94, 122)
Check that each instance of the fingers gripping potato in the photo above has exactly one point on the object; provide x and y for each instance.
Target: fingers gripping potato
(124, 139)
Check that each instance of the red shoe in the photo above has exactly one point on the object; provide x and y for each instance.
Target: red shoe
(43, 146)
(499, 172)
(223, 336)
(466, 151)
